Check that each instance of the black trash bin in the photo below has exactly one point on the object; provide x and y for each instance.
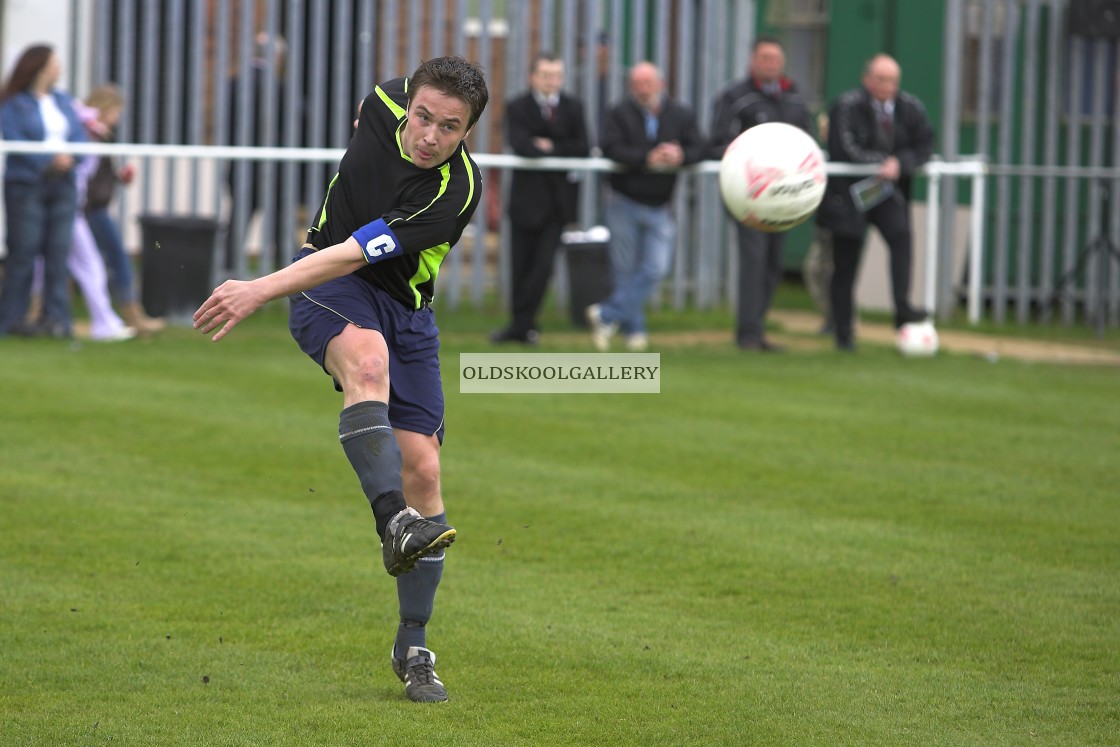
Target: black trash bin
(589, 271)
(177, 262)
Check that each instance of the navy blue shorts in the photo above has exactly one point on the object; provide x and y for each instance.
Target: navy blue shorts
(415, 387)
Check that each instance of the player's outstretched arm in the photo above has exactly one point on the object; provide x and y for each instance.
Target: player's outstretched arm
(234, 300)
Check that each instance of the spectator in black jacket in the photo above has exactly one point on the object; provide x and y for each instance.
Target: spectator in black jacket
(876, 123)
(766, 95)
(543, 121)
(651, 136)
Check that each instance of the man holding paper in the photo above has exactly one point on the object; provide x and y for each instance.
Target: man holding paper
(876, 123)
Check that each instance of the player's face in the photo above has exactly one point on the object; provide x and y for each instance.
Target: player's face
(435, 126)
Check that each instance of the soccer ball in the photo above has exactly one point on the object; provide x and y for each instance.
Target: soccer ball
(917, 340)
(772, 177)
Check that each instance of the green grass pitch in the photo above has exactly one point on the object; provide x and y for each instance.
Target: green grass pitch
(803, 549)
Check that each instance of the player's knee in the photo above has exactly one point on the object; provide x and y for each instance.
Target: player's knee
(368, 374)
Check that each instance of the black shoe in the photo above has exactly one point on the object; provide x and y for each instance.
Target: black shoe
(846, 346)
(410, 537)
(418, 673)
(907, 316)
(529, 337)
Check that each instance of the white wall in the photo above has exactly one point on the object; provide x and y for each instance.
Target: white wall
(873, 284)
(28, 22)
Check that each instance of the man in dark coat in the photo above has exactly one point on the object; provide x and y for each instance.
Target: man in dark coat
(246, 179)
(766, 95)
(542, 122)
(651, 136)
(876, 123)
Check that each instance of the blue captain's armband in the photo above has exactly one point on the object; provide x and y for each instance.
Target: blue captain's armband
(378, 242)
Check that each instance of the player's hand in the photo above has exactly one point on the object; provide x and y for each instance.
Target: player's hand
(230, 302)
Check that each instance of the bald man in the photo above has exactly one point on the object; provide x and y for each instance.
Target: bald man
(651, 136)
(876, 123)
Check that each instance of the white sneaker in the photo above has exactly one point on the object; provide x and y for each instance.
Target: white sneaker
(637, 342)
(601, 332)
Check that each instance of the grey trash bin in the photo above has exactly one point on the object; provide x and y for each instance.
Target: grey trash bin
(589, 271)
(177, 262)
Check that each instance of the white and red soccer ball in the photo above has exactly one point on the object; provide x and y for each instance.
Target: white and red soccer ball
(917, 340)
(772, 177)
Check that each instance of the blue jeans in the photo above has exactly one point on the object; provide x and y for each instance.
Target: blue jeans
(40, 223)
(641, 251)
(111, 246)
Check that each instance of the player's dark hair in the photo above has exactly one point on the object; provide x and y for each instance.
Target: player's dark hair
(453, 76)
(27, 69)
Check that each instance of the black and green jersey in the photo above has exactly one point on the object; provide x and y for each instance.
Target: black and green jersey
(426, 209)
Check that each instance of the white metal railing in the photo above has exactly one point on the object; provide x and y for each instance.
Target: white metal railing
(973, 168)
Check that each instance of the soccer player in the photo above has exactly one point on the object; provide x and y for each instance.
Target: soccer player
(361, 291)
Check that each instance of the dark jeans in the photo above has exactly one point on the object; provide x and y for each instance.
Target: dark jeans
(117, 261)
(40, 223)
(533, 252)
(892, 218)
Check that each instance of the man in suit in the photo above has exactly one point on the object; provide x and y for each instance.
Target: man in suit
(766, 95)
(876, 123)
(651, 136)
(247, 179)
(542, 122)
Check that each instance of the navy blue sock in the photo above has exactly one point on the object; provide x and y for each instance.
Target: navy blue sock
(416, 594)
(370, 445)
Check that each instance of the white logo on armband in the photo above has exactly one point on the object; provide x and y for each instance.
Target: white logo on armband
(382, 244)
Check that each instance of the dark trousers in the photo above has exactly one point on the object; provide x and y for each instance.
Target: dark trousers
(892, 219)
(532, 254)
(760, 271)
